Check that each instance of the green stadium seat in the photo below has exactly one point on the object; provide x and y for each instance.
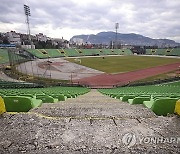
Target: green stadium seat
(177, 107)
(148, 95)
(60, 97)
(2, 106)
(125, 98)
(46, 99)
(162, 106)
(138, 100)
(20, 103)
(27, 95)
(168, 52)
(68, 95)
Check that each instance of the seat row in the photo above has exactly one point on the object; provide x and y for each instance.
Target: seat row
(51, 53)
(161, 99)
(168, 52)
(22, 100)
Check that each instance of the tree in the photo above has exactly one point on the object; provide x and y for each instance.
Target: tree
(6, 41)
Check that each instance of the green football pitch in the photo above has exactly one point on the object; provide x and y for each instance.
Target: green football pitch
(118, 64)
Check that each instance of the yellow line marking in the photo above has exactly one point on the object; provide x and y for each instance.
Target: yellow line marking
(77, 118)
(169, 50)
(59, 51)
(45, 51)
(64, 52)
(153, 50)
(39, 51)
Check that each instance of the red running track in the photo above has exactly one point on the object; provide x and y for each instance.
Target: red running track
(109, 80)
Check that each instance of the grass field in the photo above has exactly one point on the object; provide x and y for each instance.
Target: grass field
(160, 76)
(123, 63)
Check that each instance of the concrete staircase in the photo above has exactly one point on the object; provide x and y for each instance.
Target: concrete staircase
(91, 123)
(94, 105)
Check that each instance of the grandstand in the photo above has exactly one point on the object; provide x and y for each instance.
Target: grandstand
(52, 53)
(39, 119)
(131, 94)
(46, 53)
(167, 52)
(161, 98)
(20, 99)
(3, 56)
(71, 53)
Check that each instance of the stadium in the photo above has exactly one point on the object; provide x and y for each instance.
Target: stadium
(108, 93)
(88, 90)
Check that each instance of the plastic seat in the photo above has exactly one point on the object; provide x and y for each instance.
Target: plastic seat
(2, 106)
(20, 103)
(161, 106)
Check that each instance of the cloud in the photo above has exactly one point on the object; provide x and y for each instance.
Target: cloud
(156, 19)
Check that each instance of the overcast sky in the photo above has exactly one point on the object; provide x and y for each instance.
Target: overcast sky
(57, 18)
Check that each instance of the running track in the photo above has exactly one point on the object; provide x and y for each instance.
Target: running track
(123, 78)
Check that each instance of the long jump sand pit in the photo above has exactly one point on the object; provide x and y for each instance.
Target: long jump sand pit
(57, 68)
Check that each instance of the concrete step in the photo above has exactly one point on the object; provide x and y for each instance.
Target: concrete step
(94, 104)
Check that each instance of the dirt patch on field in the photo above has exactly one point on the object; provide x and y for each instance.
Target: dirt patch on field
(48, 65)
(57, 68)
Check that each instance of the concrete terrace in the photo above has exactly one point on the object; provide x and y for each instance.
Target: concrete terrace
(91, 123)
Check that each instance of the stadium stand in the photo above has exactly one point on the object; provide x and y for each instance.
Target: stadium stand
(161, 99)
(168, 52)
(105, 52)
(125, 52)
(173, 52)
(24, 99)
(90, 52)
(79, 51)
(45, 53)
(8, 84)
(3, 56)
(71, 53)
(54, 53)
(20, 103)
(38, 53)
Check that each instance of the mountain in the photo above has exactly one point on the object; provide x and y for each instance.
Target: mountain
(130, 39)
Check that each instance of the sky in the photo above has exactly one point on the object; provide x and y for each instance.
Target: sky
(66, 18)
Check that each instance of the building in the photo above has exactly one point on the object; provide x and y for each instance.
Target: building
(41, 37)
(28, 46)
(13, 37)
(77, 41)
(60, 42)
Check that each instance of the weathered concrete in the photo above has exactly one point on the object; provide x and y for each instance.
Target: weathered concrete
(59, 68)
(4, 77)
(91, 123)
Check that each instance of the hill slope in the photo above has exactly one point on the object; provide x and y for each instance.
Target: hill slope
(131, 38)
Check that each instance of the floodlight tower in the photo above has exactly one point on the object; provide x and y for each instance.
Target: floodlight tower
(116, 27)
(27, 14)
